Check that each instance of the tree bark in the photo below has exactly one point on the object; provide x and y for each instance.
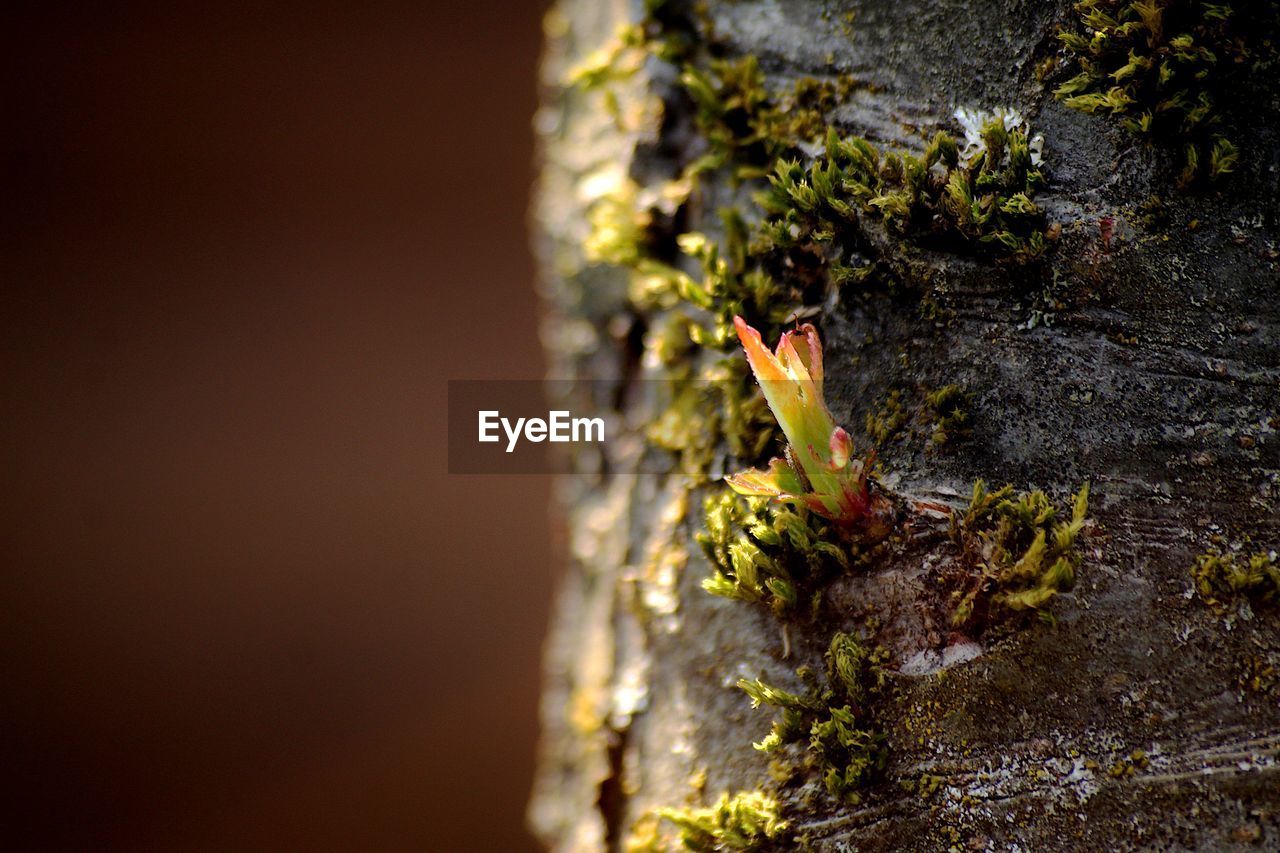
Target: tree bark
(1153, 374)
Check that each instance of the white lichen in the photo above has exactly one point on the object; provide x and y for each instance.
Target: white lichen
(973, 121)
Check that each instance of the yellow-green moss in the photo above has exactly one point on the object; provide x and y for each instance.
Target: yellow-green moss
(887, 419)
(748, 820)
(1163, 66)
(980, 200)
(1017, 554)
(834, 719)
(768, 553)
(691, 290)
(1256, 674)
(747, 127)
(949, 414)
(937, 417)
(1129, 765)
(1222, 576)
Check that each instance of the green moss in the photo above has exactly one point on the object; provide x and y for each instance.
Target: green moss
(731, 284)
(1162, 68)
(949, 407)
(1129, 765)
(747, 127)
(974, 197)
(769, 553)
(887, 419)
(1256, 674)
(977, 201)
(834, 719)
(693, 339)
(618, 59)
(924, 786)
(710, 397)
(619, 227)
(1221, 576)
(748, 820)
(940, 417)
(784, 267)
(928, 785)
(709, 400)
(1017, 554)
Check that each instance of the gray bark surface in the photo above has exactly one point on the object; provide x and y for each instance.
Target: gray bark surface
(1158, 382)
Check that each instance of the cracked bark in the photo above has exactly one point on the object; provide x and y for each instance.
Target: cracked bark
(1159, 383)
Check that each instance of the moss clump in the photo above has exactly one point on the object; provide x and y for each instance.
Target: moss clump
(981, 196)
(662, 32)
(1016, 553)
(980, 200)
(1256, 674)
(619, 227)
(949, 407)
(747, 127)
(748, 820)
(768, 553)
(693, 341)
(695, 292)
(937, 418)
(1129, 766)
(928, 785)
(833, 719)
(1162, 67)
(730, 284)
(1225, 576)
(691, 336)
(887, 419)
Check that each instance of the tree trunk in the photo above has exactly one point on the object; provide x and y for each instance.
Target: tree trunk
(1140, 353)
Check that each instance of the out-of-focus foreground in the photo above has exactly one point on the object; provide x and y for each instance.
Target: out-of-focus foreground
(244, 246)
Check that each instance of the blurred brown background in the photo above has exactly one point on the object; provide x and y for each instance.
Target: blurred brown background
(243, 247)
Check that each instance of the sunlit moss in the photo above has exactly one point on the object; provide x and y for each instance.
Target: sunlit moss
(1019, 551)
(833, 718)
(747, 820)
(884, 422)
(768, 553)
(981, 200)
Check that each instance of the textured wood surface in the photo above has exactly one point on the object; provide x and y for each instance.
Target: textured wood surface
(1158, 381)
